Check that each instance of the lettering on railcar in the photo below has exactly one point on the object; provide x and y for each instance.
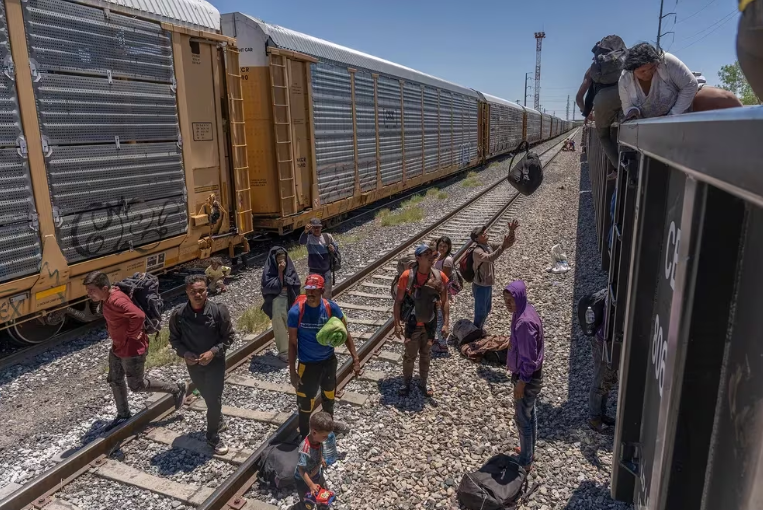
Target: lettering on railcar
(202, 132)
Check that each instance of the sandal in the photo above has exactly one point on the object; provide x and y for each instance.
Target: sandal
(427, 391)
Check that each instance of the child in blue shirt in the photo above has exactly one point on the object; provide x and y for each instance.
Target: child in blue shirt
(309, 472)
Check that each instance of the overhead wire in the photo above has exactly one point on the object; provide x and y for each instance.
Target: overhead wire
(697, 12)
(715, 26)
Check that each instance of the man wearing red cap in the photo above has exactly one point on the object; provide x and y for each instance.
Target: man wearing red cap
(316, 368)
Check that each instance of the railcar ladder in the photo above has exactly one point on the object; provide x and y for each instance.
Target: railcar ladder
(239, 158)
(279, 83)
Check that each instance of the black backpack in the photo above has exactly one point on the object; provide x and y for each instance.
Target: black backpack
(336, 257)
(527, 175)
(143, 289)
(278, 464)
(499, 484)
(608, 59)
(597, 302)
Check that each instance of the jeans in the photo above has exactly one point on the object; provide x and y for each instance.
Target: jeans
(603, 380)
(280, 329)
(440, 339)
(328, 282)
(526, 419)
(132, 369)
(483, 303)
(210, 380)
(606, 104)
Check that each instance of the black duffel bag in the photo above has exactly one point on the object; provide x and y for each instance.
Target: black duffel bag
(278, 464)
(527, 175)
(498, 485)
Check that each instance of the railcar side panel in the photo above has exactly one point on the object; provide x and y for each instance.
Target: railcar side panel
(413, 129)
(431, 130)
(533, 126)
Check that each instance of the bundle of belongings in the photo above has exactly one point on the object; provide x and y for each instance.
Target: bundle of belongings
(477, 346)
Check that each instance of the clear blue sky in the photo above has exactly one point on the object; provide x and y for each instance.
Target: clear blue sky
(488, 45)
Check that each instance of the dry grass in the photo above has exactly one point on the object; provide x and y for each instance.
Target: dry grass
(253, 320)
(471, 181)
(414, 200)
(436, 194)
(297, 252)
(160, 352)
(401, 216)
(348, 238)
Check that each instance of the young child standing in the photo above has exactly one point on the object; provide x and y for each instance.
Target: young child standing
(309, 472)
(216, 273)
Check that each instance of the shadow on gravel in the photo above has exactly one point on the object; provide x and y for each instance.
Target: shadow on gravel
(590, 496)
(414, 402)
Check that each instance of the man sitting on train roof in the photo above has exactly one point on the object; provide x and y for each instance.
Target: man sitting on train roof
(321, 248)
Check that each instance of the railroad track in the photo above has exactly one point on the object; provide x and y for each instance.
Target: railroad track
(366, 301)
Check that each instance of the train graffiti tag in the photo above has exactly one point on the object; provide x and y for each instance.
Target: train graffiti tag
(122, 227)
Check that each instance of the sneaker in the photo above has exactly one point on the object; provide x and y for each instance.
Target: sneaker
(116, 422)
(218, 447)
(179, 395)
(405, 390)
(596, 425)
(608, 421)
(341, 427)
(284, 356)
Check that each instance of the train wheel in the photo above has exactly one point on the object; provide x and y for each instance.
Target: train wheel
(36, 331)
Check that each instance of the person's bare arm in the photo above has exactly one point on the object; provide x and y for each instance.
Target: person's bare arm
(580, 97)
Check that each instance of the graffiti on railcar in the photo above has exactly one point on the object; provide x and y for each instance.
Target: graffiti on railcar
(122, 227)
(390, 117)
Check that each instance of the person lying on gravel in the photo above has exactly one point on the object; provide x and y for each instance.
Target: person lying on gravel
(419, 289)
(129, 347)
(200, 332)
(280, 288)
(316, 368)
(485, 255)
(525, 362)
(309, 472)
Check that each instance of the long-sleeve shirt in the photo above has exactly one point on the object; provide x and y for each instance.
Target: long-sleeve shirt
(526, 348)
(318, 256)
(208, 329)
(671, 93)
(484, 260)
(124, 321)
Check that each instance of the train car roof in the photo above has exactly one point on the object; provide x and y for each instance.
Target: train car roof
(197, 14)
(334, 53)
(495, 99)
(533, 110)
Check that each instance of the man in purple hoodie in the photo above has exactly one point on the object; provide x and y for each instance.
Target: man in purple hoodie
(525, 361)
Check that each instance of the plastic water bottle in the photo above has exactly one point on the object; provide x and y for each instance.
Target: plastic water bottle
(590, 318)
(329, 449)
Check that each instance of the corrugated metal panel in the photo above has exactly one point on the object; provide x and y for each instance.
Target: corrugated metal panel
(290, 39)
(533, 126)
(446, 125)
(546, 127)
(365, 118)
(193, 13)
(413, 133)
(20, 254)
(334, 145)
(460, 151)
(121, 193)
(123, 227)
(471, 126)
(505, 128)
(431, 136)
(390, 130)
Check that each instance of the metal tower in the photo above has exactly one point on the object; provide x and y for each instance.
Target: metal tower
(539, 36)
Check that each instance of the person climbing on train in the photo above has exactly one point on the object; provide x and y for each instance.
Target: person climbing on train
(484, 256)
(443, 262)
(419, 289)
(312, 366)
(600, 90)
(216, 273)
(201, 332)
(525, 362)
(655, 83)
(280, 288)
(129, 347)
(321, 253)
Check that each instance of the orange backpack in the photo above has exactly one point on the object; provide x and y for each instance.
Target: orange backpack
(302, 299)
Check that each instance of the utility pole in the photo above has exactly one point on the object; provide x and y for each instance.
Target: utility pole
(526, 87)
(539, 36)
(573, 115)
(568, 107)
(659, 23)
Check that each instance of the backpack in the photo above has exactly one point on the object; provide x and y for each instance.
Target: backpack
(608, 59)
(596, 301)
(143, 290)
(527, 175)
(498, 485)
(300, 302)
(336, 257)
(466, 266)
(456, 282)
(278, 464)
(409, 303)
(466, 332)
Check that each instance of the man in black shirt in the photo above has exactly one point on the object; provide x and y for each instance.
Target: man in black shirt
(201, 332)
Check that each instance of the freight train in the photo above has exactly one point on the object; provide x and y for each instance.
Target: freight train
(138, 136)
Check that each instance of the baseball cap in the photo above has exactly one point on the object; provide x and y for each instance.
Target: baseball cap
(421, 249)
(315, 222)
(314, 281)
(476, 232)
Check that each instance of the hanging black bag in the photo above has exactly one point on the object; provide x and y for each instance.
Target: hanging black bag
(527, 175)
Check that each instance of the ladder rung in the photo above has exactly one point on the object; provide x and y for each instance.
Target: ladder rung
(290, 196)
(285, 142)
(236, 99)
(281, 86)
(278, 65)
(287, 179)
(281, 105)
(244, 145)
(285, 161)
(282, 123)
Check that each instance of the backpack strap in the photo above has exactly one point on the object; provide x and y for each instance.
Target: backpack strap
(301, 304)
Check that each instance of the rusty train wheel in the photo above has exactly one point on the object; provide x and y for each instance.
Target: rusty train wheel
(35, 331)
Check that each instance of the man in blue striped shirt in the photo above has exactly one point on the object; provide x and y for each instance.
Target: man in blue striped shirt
(320, 247)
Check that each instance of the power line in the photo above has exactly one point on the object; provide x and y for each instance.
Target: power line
(723, 20)
(726, 20)
(692, 15)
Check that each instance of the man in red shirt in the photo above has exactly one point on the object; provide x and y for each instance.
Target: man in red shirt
(415, 306)
(129, 347)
